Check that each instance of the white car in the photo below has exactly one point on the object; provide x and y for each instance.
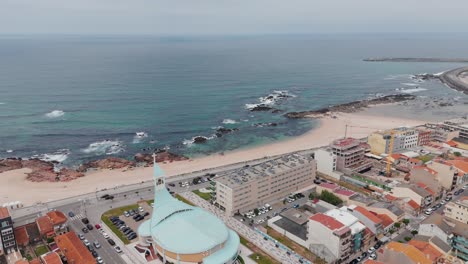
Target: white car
(117, 248)
(105, 235)
(443, 202)
(371, 250)
(428, 212)
(373, 256)
(126, 214)
(99, 260)
(141, 209)
(86, 242)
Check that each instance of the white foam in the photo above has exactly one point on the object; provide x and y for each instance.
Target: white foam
(271, 99)
(9, 151)
(139, 136)
(250, 106)
(58, 156)
(229, 121)
(397, 76)
(2, 103)
(107, 147)
(55, 114)
(439, 73)
(415, 90)
(410, 84)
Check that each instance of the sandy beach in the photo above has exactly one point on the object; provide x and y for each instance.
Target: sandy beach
(359, 125)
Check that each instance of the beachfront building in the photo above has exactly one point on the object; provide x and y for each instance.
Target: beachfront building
(442, 134)
(326, 163)
(459, 124)
(51, 224)
(7, 235)
(344, 235)
(349, 154)
(403, 138)
(254, 186)
(183, 234)
(414, 192)
(457, 210)
(424, 136)
(446, 172)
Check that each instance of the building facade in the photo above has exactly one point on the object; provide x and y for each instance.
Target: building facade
(457, 210)
(424, 136)
(459, 124)
(7, 235)
(446, 172)
(254, 186)
(349, 154)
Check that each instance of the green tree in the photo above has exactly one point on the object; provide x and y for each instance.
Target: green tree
(457, 154)
(406, 221)
(256, 211)
(407, 239)
(397, 225)
(414, 232)
(330, 198)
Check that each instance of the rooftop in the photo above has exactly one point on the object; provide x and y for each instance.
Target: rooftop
(44, 224)
(413, 204)
(368, 214)
(446, 225)
(386, 220)
(327, 221)
(344, 192)
(342, 215)
(21, 235)
(461, 165)
(296, 216)
(345, 143)
(432, 253)
(237, 178)
(22, 261)
(292, 227)
(51, 258)
(57, 217)
(72, 247)
(330, 186)
(4, 213)
(391, 207)
(410, 251)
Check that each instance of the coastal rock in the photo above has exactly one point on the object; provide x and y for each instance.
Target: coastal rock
(163, 156)
(69, 175)
(352, 106)
(262, 107)
(265, 124)
(424, 76)
(199, 139)
(223, 130)
(107, 163)
(10, 164)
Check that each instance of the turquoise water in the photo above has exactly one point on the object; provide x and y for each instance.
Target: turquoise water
(76, 98)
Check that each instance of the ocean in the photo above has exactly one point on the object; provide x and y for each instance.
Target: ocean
(77, 98)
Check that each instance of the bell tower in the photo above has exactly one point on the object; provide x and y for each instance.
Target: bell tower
(158, 175)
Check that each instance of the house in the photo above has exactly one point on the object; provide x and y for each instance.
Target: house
(371, 221)
(462, 167)
(387, 222)
(22, 236)
(429, 178)
(73, 249)
(391, 210)
(7, 235)
(446, 173)
(395, 252)
(420, 195)
(51, 224)
(51, 258)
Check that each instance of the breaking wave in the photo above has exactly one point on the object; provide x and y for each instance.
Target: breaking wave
(55, 114)
(107, 147)
(271, 99)
(410, 91)
(58, 156)
(229, 121)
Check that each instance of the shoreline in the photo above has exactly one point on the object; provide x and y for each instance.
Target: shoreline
(456, 79)
(330, 128)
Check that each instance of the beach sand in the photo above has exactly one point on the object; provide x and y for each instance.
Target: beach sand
(360, 125)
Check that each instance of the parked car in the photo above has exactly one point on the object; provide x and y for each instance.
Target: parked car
(146, 214)
(90, 226)
(373, 256)
(81, 236)
(126, 214)
(85, 230)
(172, 184)
(371, 250)
(141, 209)
(99, 260)
(96, 244)
(105, 235)
(94, 253)
(86, 242)
(85, 221)
(131, 237)
(71, 214)
(117, 248)
(98, 226)
(111, 242)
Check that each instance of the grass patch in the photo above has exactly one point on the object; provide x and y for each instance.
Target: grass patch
(117, 212)
(425, 158)
(41, 250)
(206, 196)
(262, 259)
(180, 198)
(150, 201)
(304, 252)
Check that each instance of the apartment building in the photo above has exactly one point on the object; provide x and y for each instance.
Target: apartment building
(343, 232)
(442, 134)
(459, 124)
(403, 138)
(414, 192)
(369, 219)
(424, 136)
(326, 163)
(7, 235)
(457, 210)
(446, 172)
(254, 186)
(349, 154)
(422, 175)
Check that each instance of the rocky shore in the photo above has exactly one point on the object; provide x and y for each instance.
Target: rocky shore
(351, 107)
(456, 79)
(47, 171)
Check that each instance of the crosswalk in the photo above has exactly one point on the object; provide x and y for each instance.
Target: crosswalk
(77, 217)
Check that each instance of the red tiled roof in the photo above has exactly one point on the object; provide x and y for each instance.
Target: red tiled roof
(22, 261)
(409, 251)
(413, 204)
(52, 258)
(327, 185)
(344, 192)
(35, 261)
(4, 213)
(461, 165)
(452, 143)
(57, 217)
(368, 214)
(386, 220)
(345, 142)
(328, 221)
(390, 197)
(426, 248)
(424, 167)
(21, 235)
(370, 261)
(44, 224)
(73, 249)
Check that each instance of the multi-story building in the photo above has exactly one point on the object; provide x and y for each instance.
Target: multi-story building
(51, 224)
(442, 134)
(254, 186)
(403, 138)
(343, 232)
(422, 175)
(369, 219)
(349, 154)
(395, 252)
(326, 163)
(424, 136)
(446, 172)
(457, 210)
(414, 192)
(459, 124)
(7, 235)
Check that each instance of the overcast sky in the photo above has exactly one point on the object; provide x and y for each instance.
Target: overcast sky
(179, 17)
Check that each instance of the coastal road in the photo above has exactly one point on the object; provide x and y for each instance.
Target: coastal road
(456, 79)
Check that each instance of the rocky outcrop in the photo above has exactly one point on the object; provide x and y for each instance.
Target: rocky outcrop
(262, 107)
(163, 156)
(10, 164)
(223, 130)
(424, 76)
(265, 124)
(353, 106)
(107, 163)
(199, 139)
